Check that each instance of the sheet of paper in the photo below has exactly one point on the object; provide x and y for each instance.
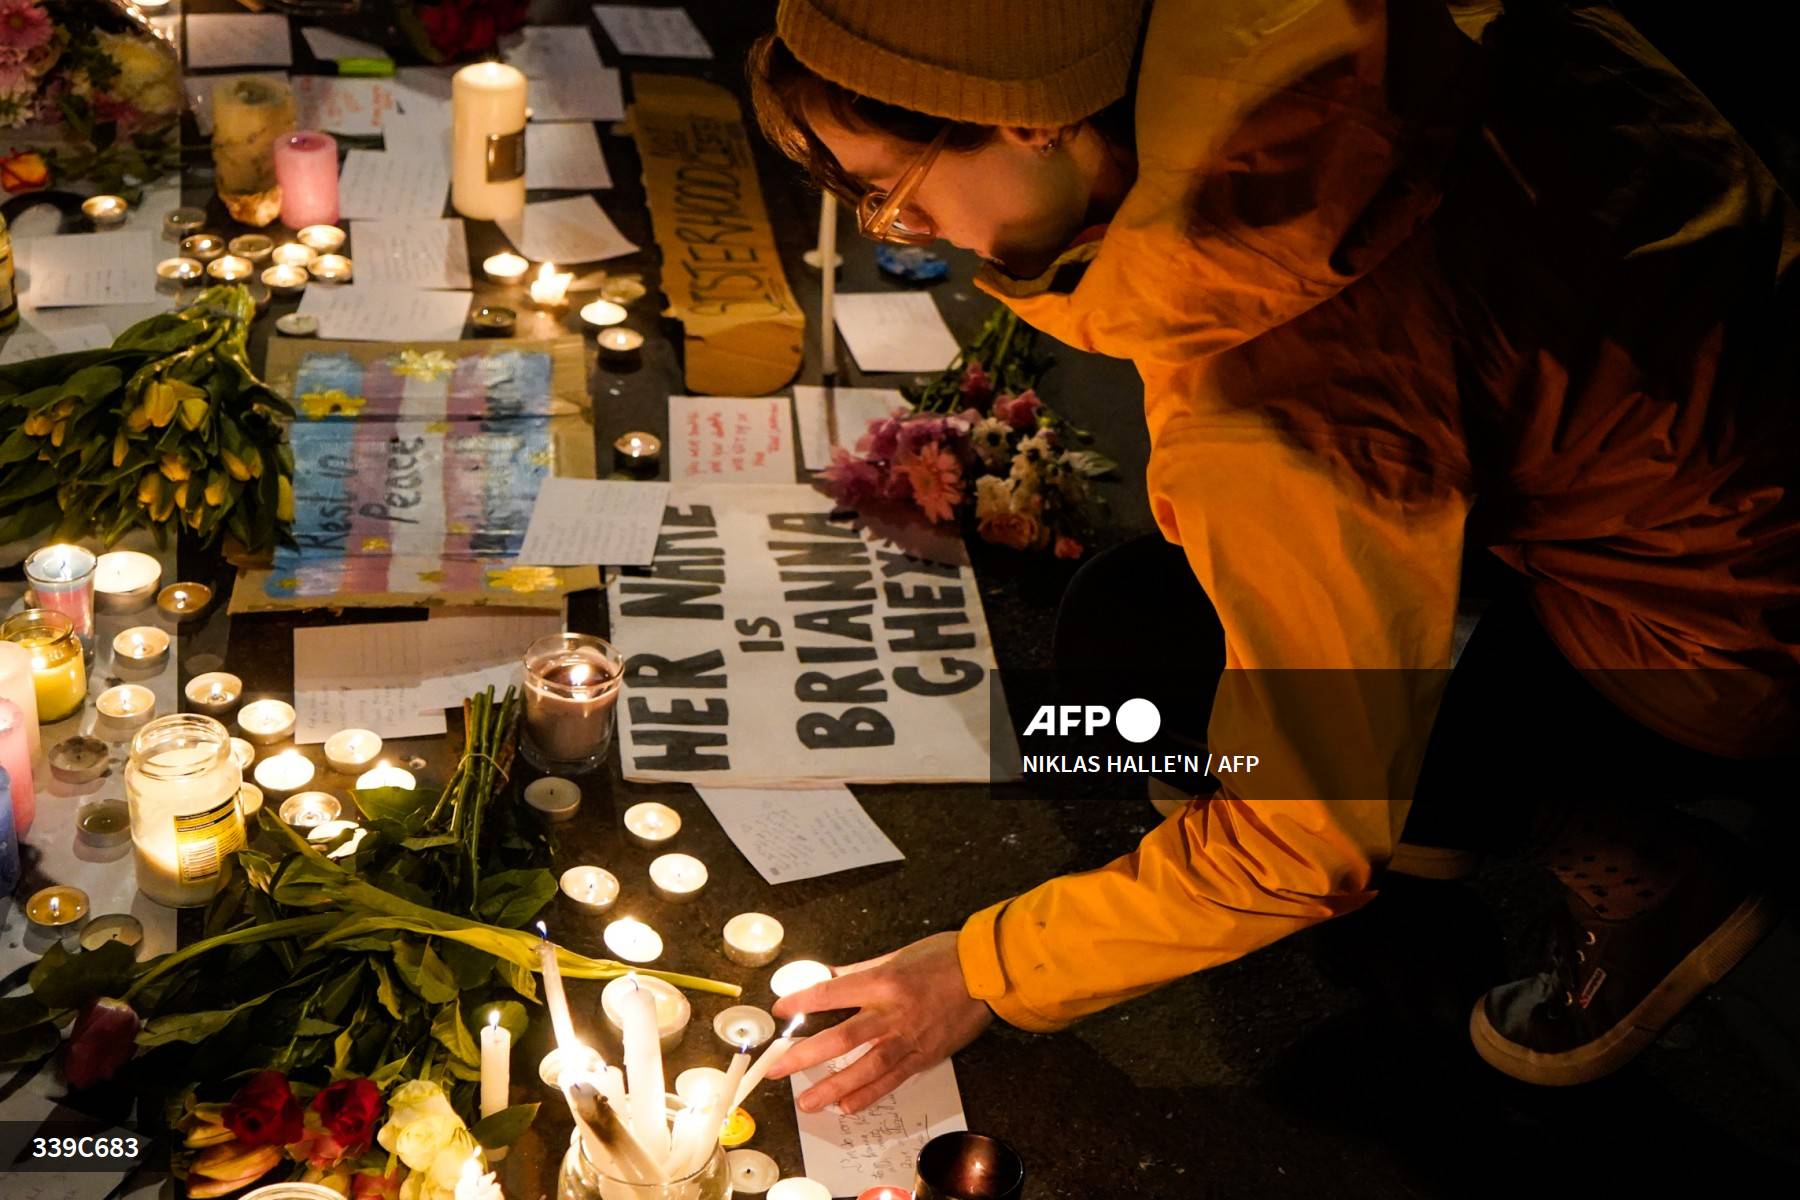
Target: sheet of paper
(391, 184)
(799, 833)
(544, 51)
(574, 229)
(730, 439)
(564, 156)
(27, 341)
(330, 45)
(652, 32)
(216, 40)
(880, 1144)
(895, 331)
(353, 107)
(464, 654)
(855, 408)
(420, 254)
(382, 313)
(392, 710)
(596, 97)
(74, 269)
(594, 522)
(199, 89)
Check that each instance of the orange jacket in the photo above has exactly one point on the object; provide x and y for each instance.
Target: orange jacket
(1388, 289)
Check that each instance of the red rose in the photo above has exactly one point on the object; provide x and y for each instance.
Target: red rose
(1068, 547)
(103, 1040)
(366, 1185)
(349, 1110)
(264, 1112)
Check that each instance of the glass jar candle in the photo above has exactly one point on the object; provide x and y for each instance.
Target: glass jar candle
(582, 1180)
(572, 683)
(181, 785)
(58, 668)
(62, 580)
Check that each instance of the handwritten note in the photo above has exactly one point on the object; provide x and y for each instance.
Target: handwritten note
(88, 268)
(895, 331)
(393, 184)
(420, 254)
(595, 97)
(564, 156)
(652, 32)
(383, 313)
(329, 45)
(215, 40)
(799, 833)
(853, 408)
(565, 78)
(199, 90)
(353, 107)
(730, 439)
(592, 522)
(541, 51)
(849, 1153)
(574, 229)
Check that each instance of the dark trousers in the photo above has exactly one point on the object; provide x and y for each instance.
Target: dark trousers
(1518, 725)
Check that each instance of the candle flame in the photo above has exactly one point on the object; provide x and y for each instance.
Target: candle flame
(493, 1018)
(793, 1025)
(55, 907)
(543, 931)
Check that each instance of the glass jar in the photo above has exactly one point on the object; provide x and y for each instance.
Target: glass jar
(58, 667)
(181, 784)
(572, 683)
(582, 1180)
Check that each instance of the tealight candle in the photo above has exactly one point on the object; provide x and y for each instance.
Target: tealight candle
(326, 832)
(297, 324)
(601, 313)
(573, 1058)
(254, 246)
(551, 287)
(386, 776)
(293, 254)
(633, 941)
(232, 268)
(322, 239)
(494, 320)
(797, 976)
(123, 710)
(105, 212)
(752, 1172)
(677, 877)
(304, 810)
(350, 751)
(637, 452)
(744, 1026)
(285, 280)
(739, 1128)
(554, 796)
(183, 600)
(619, 341)
(79, 759)
(798, 1187)
(214, 693)
(242, 753)
(673, 1010)
(203, 246)
(752, 939)
(591, 889)
(250, 799)
(651, 824)
(142, 648)
(123, 928)
(332, 268)
(281, 775)
(58, 910)
(105, 825)
(174, 274)
(179, 223)
(125, 581)
(266, 722)
(505, 267)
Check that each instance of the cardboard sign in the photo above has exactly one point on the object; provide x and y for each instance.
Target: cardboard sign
(721, 271)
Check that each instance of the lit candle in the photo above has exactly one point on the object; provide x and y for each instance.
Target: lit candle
(182, 788)
(496, 1064)
(179, 223)
(203, 247)
(798, 1187)
(697, 1085)
(637, 452)
(332, 268)
(651, 824)
(350, 751)
(677, 877)
(284, 280)
(183, 600)
(232, 268)
(592, 889)
(701, 1134)
(633, 941)
(602, 313)
(752, 939)
(142, 648)
(765, 1063)
(673, 1011)
(752, 1172)
(306, 166)
(293, 254)
(123, 710)
(327, 832)
(551, 287)
(644, 1088)
(505, 267)
(487, 141)
(322, 238)
(283, 774)
(561, 1024)
(266, 722)
(797, 976)
(105, 212)
(174, 274)
(308, 810)
(214, 693)
(125, 581)
(250, 113)
(575, 1059)
(572, 682)
(58, 668)
(618, 342)
(15, 760)
(16, 688)
(242, 753)
(744, 1025)
(62, 579)
(739, 1128)
(885, 1191)
(386, 776)
(57, 911)
(250, 799)
(828, 284)
(257, 247)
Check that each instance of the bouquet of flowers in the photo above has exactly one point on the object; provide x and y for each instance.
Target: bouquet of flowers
(93, 87)
(979, 443)
(448, 30)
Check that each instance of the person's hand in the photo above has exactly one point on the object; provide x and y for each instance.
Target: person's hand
(914, 1008)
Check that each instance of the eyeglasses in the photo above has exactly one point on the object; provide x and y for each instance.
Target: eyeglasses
(881, 215)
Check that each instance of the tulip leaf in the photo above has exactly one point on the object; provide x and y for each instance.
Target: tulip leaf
(504, 1127)
(423, 971)
(448, 1028)
(512, 898)
(64, 980)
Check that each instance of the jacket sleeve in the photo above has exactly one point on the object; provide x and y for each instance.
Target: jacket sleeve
(1311, 573)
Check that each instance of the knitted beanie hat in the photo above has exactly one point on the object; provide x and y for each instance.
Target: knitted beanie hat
(1038, 63)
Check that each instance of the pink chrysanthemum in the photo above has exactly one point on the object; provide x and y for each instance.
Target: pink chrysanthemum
(851, 480)
(24, 26)
(936, 478)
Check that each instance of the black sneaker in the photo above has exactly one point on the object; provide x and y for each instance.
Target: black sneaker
(1613, 983)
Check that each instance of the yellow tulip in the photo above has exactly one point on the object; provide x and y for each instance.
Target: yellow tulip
(150, 488)
(215, 489)
(284, 499)
(239, 469)
(58, 433)
(181, 494)
(174, 467)
(121, 447)
(194, 410)
(38, 424)
(138, 419)
(160, 399)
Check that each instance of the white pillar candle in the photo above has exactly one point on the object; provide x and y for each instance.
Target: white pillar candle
(752, 939)
(266, 722)
(651, 824)
(797, 976)
(125, 581)
(644, 1088)
(765, 1063)
(633, 941)
(677, 877)
(350, 751)
(496, 1064)
(828, 284)
(487, 141)
(561, 1024)
(386, 776)
(673, 1011)
(592, 889)
(283, 774)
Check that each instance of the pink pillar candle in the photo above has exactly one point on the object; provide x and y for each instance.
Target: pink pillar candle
(306, 167)
(15, 757)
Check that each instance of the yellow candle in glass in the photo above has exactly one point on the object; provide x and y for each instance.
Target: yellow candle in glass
(58, 668)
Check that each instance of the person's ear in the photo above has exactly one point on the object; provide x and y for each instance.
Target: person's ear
(1043, 141)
